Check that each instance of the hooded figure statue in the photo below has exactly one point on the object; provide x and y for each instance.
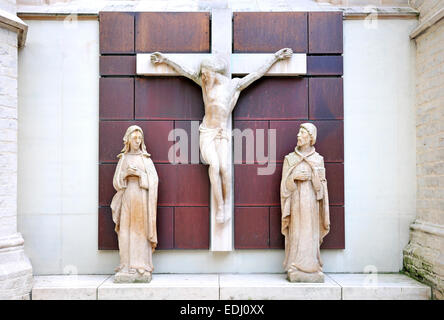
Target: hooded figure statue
(134, 208)
(305, 211)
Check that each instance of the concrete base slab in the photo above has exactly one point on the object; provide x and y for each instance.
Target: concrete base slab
(164, 287)
(67, 287)
(230, 287)
(275, 287)
(381, 287)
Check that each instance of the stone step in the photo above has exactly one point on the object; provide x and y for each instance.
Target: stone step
(230, 287)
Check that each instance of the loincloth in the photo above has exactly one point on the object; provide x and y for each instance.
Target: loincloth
(207, 137)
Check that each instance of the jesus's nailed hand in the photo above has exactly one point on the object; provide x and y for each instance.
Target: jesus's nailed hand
(284, 53)
(157, 57)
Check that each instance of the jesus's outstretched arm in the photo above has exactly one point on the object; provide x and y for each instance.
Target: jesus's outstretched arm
(250, 78)
(158, 57)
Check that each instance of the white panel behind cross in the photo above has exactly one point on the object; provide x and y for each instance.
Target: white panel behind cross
(220, 93)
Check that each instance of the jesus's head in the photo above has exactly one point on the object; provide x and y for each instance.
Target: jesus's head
(213, 63)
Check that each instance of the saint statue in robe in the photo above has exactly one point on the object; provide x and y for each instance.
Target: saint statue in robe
(305, 210)
(134, 208)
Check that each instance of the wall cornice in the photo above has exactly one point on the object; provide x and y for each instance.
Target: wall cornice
(12, 22)
(427, 23)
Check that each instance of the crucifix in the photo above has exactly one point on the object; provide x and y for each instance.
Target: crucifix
(220, 93)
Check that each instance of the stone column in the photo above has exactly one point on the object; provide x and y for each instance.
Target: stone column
(424, 256)
(15, 267)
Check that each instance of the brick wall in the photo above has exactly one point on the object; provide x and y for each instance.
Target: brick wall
(423, 255)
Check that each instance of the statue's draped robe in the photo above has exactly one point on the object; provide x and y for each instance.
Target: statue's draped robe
(305, 211)
(134, 209)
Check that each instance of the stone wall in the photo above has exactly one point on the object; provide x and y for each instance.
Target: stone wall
(423, 257)
(15, 268)
(8, 131)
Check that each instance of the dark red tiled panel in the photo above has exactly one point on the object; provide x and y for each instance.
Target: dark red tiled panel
(246, 139)
(325, 65)
(335, 239)
(167, 184)
(269, 31)
(335, 182)
(329, 141)
(163, 98)
(193, 145)
(286, 137)
(165, 226)
(185, 185)
(325, 32)
(192, 185)
(173, 31)
(116, 99)
(274, 98)
(106, 188)
(251, 227)
(326, 98)
(251, 189)
(192, 227)
(107, 235)
(155, 134)
(117, 65)
(116, 32)
(277, 239)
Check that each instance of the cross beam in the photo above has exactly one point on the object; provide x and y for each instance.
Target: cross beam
(238, 64)
(241, 64)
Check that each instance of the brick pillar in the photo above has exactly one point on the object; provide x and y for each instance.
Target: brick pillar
(424, 256)
(15, 268)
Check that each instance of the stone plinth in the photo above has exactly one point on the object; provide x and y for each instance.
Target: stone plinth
(380, 287)
(275, 287)
(69, 287)
(230, 287)
(164, 287)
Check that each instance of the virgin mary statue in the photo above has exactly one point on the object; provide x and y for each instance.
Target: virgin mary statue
(134, 208)
(305, 211)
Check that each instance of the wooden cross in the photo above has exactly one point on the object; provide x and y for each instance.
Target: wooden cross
(239, 64)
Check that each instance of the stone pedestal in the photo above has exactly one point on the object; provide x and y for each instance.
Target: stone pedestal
(15, 269)
(125, 277)
(299, 276)
(423, 256)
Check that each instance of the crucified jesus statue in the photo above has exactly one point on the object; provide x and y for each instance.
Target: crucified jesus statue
(220, 94)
